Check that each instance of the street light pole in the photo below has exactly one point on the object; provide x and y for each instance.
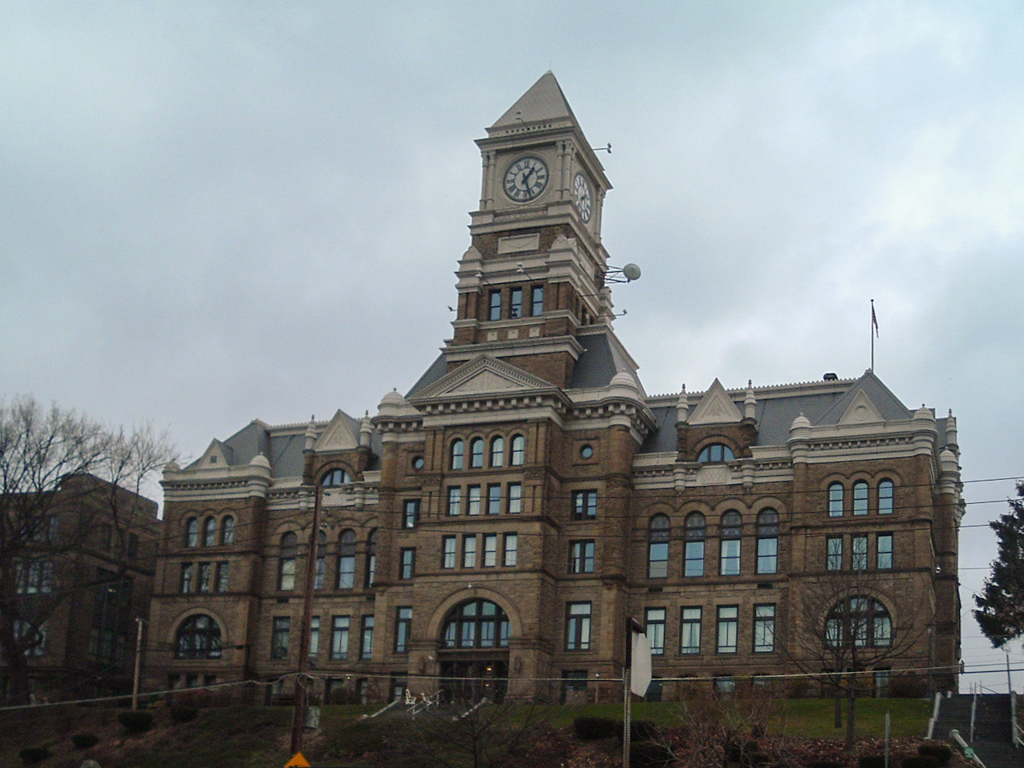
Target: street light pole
(301, 681)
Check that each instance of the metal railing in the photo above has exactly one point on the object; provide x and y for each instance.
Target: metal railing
(424, 703)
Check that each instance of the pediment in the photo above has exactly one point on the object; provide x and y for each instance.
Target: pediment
(483, 375)
(337, 436)
(861, 410)
(216, 456)
(715, 407)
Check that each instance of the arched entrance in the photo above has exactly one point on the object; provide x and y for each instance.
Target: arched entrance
(473, 652)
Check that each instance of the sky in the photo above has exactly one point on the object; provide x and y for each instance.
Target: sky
(212, 212)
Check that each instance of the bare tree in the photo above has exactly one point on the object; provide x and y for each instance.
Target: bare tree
(65, 482)
(850, 623)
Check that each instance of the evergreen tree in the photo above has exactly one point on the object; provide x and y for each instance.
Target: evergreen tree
(1001, 604)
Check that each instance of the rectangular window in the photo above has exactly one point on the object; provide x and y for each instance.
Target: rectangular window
(577, 627)
(412, 513)
(511, 550)
(515, 498)
(23, 629)
(474, 500)
(347, 567)
(187, 573)
(339, 637)
(205, 576)
(493, 499)
(584, 505)
(693, 559)
(314, 636)
(279, 637)
(537, 300)
(730, 565)
(494, 311)
(490, 550)
(690, 630)
(449, 546)
(223, 569)
(764, 628)
(834, 558)
(469, 551)
(859, 553)
(768, 555)
(728, 628)
(884, 554)
(656, 630)
(408, 557)
(515, 303)
(403, 629)
(581, 556)
(455, 501)
(366, 647)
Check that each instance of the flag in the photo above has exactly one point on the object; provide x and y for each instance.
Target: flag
(874, 320)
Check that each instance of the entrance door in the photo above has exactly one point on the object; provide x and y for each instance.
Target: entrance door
(470, 680)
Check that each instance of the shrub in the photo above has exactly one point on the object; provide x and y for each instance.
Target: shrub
(594, 728)
(135, 722)
(824, 764)
(940, 752)
(871, 761)
(84, 740)
(182, 714)
(33, 755)
(647, 754)
(643, 730)
(919, 761)
(735, 750)
(754, 759)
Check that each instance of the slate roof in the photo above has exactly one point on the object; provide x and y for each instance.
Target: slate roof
(822, 403)
(543, 101)
(437, 369)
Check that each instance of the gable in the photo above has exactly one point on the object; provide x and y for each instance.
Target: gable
(337, 436)
(716, 407)
(861, 410)
(483, 375)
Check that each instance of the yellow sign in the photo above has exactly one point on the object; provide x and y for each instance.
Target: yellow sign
(297, 762)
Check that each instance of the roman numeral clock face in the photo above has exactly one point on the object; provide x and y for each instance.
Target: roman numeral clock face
(525, 179)
(581, 194)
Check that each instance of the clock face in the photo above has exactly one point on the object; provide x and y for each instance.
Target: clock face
(581, 193)
(525, 179)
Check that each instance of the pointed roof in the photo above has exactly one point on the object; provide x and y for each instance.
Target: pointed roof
(867, 388)
(544, 101)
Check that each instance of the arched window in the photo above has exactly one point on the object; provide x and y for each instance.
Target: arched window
(498, 452)
(476, 453)
(860, 498)
(860, 622)
(209, 532)
(767, 541)
(321, 559)
(286, 561)
(192, 532)
(518, 450)
(475, 624)
(886, 492)
(347, 559)
(371, 558)
(716, 453)
(198, 637)
(335, 478)
(458, 454)
(227, 530)
(835, 500)
(730, 545)
(693, 551)
(657, 547)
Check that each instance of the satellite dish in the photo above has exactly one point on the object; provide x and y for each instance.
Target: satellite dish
(631, 272)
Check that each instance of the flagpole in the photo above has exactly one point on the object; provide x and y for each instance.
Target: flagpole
(872, 333)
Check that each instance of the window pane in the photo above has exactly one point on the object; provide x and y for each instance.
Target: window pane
(767, 555)
(690, 633)
(518, 450)
(515, 498)
(455, 501)
(860, 498)
(835, 500)
(884, 559)
(885, 497)
(511, 549)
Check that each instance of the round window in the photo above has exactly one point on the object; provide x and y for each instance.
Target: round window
(418, 462)
(587, 451)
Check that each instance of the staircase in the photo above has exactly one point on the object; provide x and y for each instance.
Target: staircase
(993, 730)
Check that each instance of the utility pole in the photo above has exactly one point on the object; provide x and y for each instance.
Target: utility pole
(301, 681)
(138, 662)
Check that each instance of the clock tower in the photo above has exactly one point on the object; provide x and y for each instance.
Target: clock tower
(534, 275)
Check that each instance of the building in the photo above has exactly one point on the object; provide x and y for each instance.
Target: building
(83, 576)
(490, 531)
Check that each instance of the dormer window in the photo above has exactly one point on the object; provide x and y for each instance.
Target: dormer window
(715, 454)
(336, 477)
